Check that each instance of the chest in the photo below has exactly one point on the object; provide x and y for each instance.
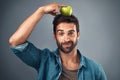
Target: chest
(68, 74)
(71, 66)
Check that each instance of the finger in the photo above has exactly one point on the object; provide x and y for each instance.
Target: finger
(54, 14)
(62, 5)
(55, 11)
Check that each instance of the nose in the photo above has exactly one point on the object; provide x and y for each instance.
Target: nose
(66, 38)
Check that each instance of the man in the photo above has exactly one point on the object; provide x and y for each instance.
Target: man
(66, 62)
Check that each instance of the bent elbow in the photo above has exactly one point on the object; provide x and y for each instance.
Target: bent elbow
(12, 42)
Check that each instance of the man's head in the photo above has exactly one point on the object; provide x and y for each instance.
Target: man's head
(68, 19)
(66, 32)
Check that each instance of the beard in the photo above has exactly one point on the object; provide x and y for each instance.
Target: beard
(67, 47)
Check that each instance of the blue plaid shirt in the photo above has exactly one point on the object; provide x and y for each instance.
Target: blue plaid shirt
(48, 63)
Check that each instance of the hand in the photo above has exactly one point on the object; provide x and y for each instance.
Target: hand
(52, 8)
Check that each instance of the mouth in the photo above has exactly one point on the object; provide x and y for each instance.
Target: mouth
(67, 45)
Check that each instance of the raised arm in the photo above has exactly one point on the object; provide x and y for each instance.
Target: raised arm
(25, 29)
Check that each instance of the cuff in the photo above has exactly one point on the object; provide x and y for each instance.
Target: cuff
(20, 47)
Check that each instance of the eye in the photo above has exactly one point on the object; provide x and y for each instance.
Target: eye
(60, 33)
(71, 33)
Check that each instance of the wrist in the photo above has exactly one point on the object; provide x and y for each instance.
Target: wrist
(41, 10)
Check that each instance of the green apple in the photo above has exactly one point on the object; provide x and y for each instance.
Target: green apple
(66, 10)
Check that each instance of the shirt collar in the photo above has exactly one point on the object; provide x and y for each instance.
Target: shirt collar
(57, 53)
(82, 58)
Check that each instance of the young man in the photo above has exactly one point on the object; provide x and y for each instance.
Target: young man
(66, 62)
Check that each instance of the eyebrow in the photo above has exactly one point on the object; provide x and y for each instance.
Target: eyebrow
(71, 30)
(59, 30)
(63, 30)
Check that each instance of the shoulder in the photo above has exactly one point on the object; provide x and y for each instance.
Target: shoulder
(91, 63)
(88, 63)
(96, 68)
(47, 53)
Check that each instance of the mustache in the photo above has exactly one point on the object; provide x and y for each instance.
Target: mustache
(68, 42)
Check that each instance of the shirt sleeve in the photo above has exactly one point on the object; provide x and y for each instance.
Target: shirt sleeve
(28, 53)
(20, 47)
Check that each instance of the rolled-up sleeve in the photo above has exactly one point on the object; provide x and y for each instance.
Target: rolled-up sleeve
(28, 53)
(20, 47)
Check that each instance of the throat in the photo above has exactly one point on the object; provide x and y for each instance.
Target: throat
(70, 61)
(71, 65)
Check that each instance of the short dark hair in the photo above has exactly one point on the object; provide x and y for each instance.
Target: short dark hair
(68, 19)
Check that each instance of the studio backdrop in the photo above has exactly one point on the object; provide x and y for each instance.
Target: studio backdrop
(99, 34)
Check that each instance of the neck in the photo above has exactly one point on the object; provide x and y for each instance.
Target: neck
(70, 57)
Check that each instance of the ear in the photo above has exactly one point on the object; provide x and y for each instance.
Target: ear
(78, 35)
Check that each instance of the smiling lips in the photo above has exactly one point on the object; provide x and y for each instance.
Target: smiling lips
(67, 44)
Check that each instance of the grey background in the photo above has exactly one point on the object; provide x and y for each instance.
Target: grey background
(99, 26)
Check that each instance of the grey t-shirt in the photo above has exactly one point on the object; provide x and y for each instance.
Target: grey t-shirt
(68, 74)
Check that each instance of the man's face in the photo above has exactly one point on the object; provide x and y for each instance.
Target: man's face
(66, 37)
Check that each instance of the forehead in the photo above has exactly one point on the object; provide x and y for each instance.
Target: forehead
(66, 26)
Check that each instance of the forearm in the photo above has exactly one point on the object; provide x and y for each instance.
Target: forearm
(25, 29)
